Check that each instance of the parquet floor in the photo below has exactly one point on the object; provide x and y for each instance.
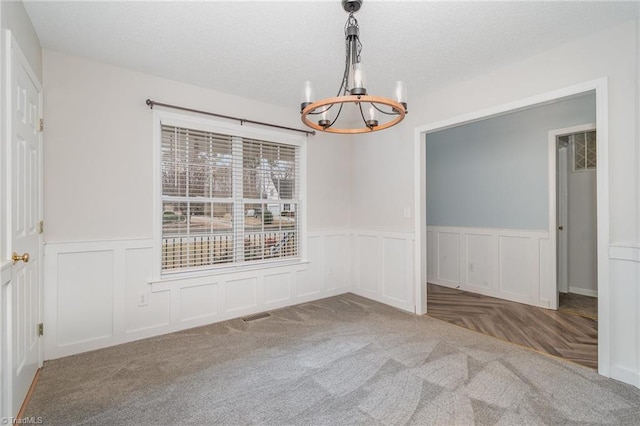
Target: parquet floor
(579, 304)
(564, 335)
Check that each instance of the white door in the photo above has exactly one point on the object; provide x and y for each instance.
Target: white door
(563, 220)
(26, 212)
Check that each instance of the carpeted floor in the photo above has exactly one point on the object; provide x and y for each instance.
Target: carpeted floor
(339, 361)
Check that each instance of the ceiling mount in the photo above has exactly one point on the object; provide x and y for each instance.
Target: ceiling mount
(351, 6)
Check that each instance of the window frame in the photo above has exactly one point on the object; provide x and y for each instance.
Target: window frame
(210, 125)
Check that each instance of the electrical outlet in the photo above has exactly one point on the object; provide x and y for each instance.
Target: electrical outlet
(143, 299)
(407, 213)
(470, 267)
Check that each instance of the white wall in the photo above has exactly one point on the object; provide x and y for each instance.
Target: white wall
(582, 235)
(383, 164)
(99, 143)
(98, 213)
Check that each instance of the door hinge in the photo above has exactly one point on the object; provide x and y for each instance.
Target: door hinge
(41, 329)
(41, 125)
(41, 227)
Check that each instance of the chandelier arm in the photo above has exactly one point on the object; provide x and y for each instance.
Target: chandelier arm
(394, 112)
(337, 115)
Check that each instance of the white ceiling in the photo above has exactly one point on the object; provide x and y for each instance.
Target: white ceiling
(266, 49)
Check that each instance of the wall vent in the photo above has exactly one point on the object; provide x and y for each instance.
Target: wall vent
(255, 317)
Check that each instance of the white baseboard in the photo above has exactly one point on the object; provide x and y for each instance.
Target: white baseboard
(625, 375)
(583, 291)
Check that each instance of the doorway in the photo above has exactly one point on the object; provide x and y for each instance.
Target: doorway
(600, 88)
(576, 183)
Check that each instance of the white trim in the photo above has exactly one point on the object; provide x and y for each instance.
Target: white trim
(602, 123)
(552, 170)
(185, 120)
(630, 252)
(583, 291)
(420, 222)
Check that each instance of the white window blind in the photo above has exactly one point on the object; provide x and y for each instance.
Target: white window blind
(227, 200)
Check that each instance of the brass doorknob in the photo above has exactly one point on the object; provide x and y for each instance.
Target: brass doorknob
(17, 258)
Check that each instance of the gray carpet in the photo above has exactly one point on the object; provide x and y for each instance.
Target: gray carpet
(338, 361)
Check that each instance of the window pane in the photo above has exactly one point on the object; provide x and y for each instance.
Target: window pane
(579, 151)
(591, 150)
(196, 234)
(195, 163)
(226, 199)
(271, 231)
(269, 170)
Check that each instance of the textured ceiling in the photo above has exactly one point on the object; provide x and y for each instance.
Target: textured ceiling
(266, 49)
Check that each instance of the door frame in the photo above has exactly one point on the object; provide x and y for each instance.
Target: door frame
(600, 87)
(12, 52)
(553, 194)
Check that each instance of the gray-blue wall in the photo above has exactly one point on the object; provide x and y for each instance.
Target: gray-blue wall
(493, 173)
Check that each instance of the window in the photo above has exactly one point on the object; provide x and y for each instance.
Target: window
(584, 151)
(226, 199)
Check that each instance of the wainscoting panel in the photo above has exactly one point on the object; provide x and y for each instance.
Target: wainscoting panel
(198, 301)
(383, 269)
(242, 294)
(624, 300)
(101, 293)
(368, 255)
(138, 262)
(81, 297)
(515, 265)
(504, 263)
(337, 261)
(448, 257)
(309, 280)
(277, 288)
(480, 260)
(5, 334)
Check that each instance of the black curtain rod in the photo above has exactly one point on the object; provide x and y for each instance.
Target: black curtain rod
(241, 120)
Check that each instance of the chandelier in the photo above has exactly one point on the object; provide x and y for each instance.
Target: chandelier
(373, 112)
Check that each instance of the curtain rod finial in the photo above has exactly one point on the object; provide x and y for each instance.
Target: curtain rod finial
(150, 103)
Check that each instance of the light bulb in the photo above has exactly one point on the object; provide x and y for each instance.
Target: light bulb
(401, 92)
(372, 113)
(357, 80)
(373, 117)
(307, 95)
(324, 121)
(401, 95)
